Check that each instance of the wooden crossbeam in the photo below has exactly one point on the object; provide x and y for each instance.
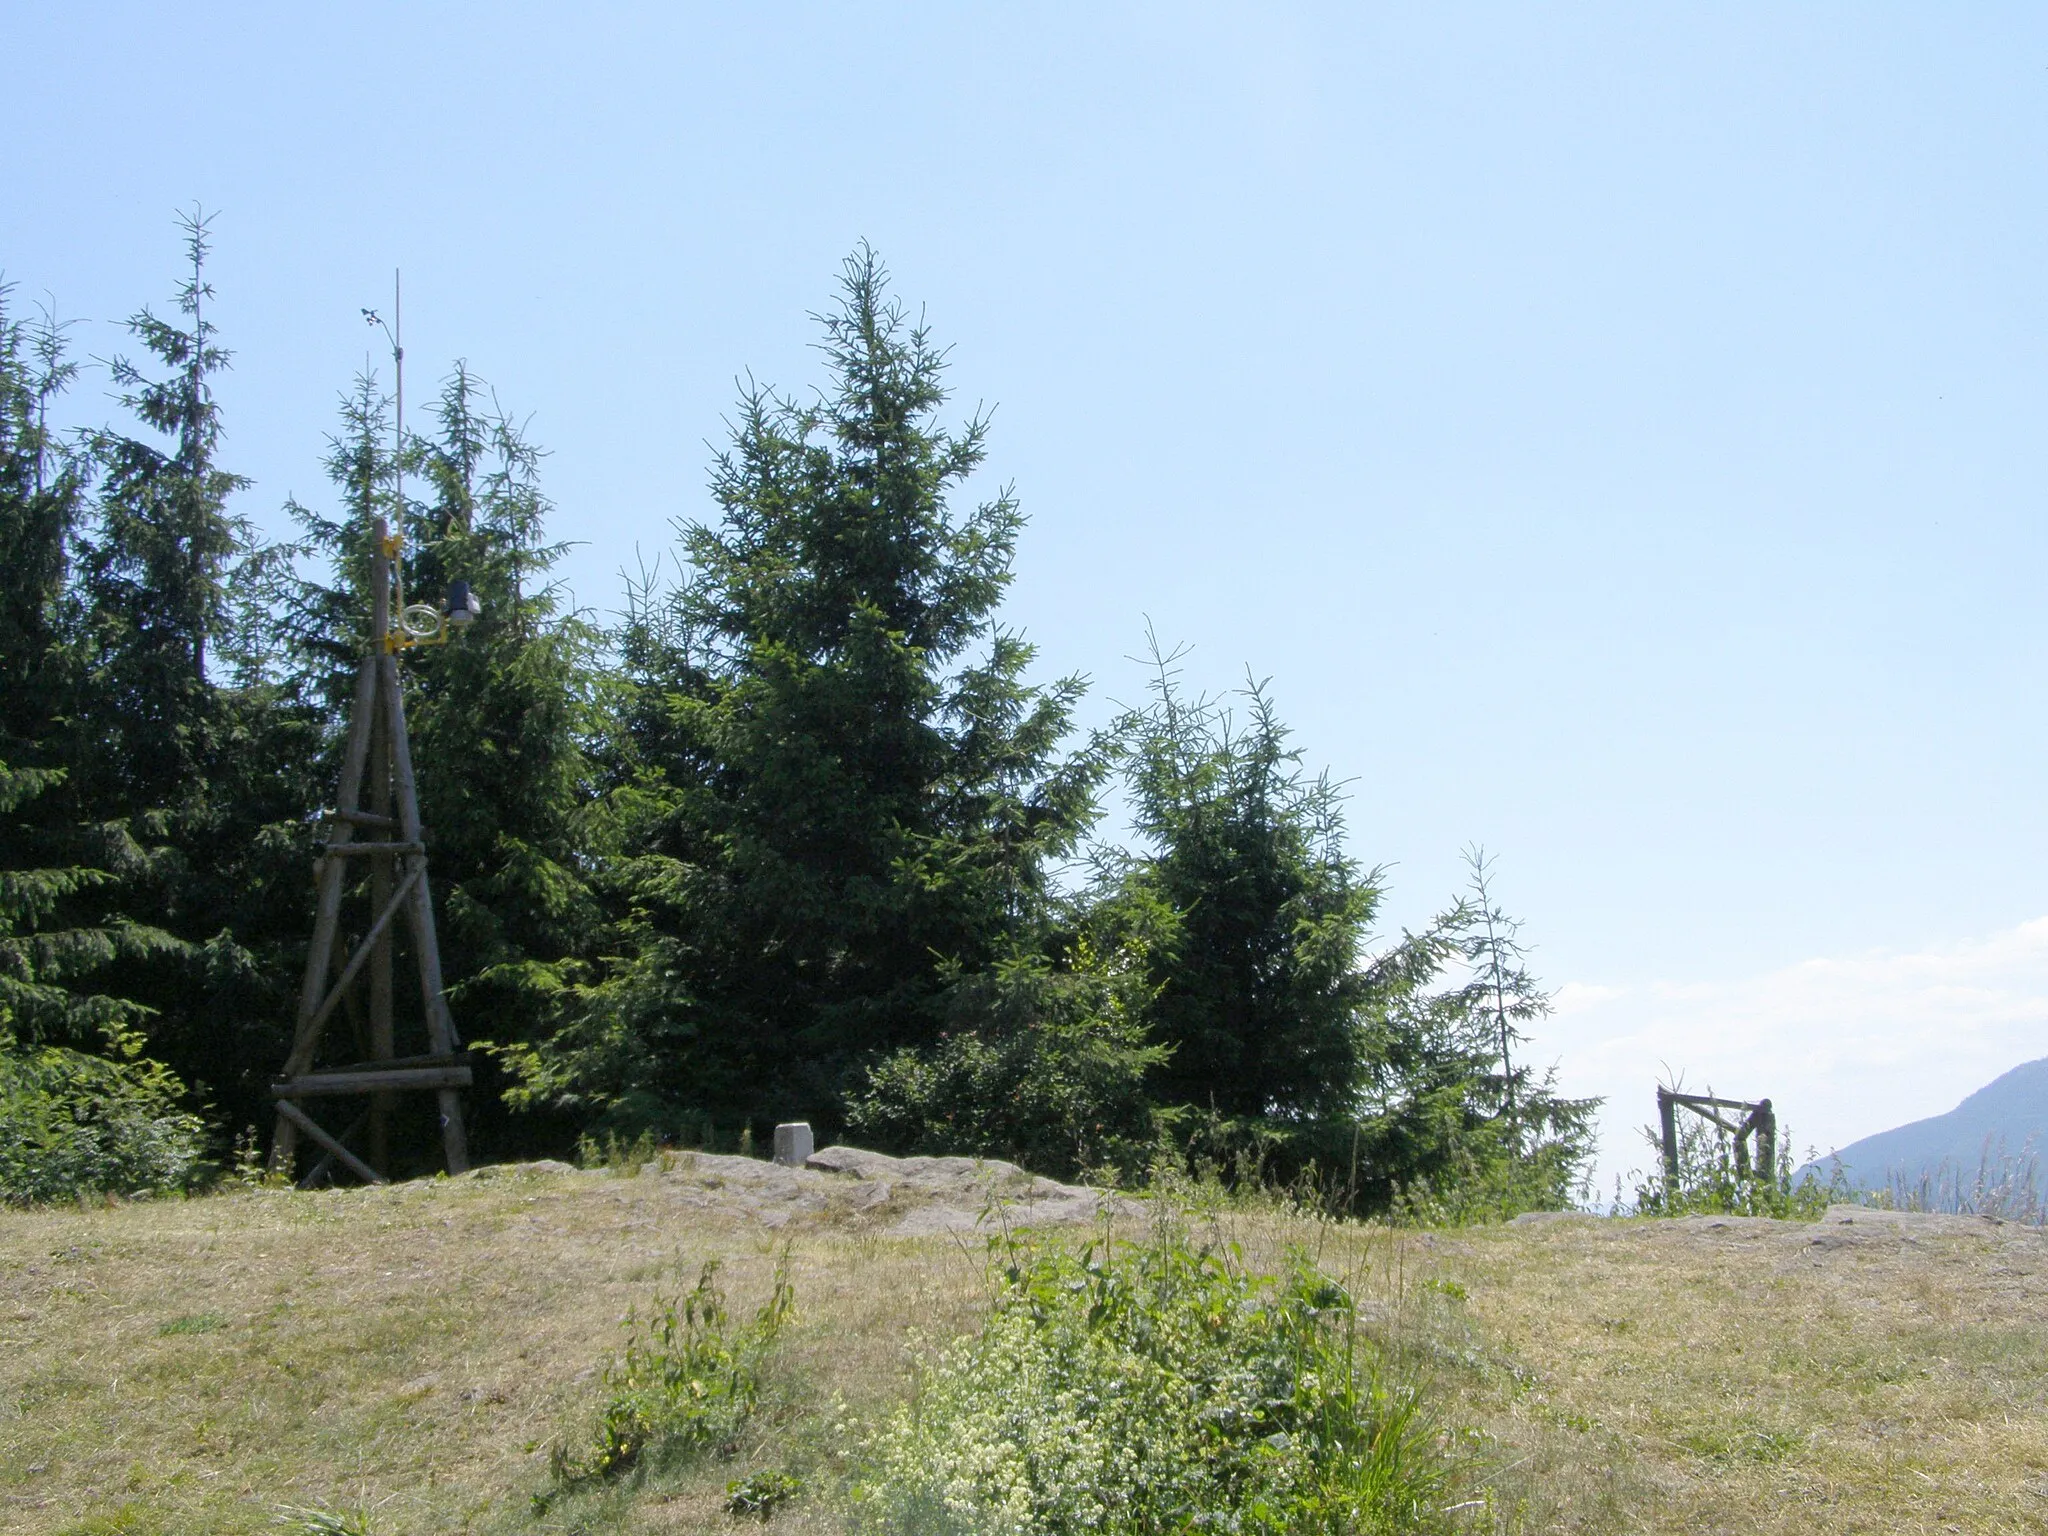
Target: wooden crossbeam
(346, 850)
(368, 819)
(377, 1080)
(390, 1063)
(1701, 1100)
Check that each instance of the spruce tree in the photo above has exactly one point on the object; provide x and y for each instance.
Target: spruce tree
(80, 1108)
(45, 883)
(840, 795)
(502, 723)
(1447, 1121)
(41, 505)
(183, 743)
(1258, 970)
(156, 568)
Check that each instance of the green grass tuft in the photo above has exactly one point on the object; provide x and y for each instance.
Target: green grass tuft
(191, 1322)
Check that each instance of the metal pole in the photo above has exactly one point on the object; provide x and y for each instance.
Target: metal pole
(398, 372)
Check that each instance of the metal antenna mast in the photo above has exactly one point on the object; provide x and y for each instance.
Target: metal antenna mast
(398, 415)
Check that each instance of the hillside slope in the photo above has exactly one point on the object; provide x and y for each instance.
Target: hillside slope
(2005, 1117)
(416, 1352)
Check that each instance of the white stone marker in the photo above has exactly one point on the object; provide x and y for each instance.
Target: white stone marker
(793, 1143)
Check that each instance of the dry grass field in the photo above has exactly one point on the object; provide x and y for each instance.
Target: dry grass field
(413, 1354)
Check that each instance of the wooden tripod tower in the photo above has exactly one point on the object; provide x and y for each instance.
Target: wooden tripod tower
(391, 854)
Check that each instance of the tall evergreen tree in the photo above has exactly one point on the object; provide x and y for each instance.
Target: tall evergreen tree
(1446, 1118)
(41, 505)
(1258, 975)
(181, 737)
(79, 1108)
(1292, 1044)
(156, 569)
(841, 795)
(503, 721)
(51, 895)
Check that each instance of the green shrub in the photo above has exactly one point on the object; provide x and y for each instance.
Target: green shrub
(72, 1124)
(1495, 1175)
(689, 1381)
(1152, 1388)
(1043, 1065)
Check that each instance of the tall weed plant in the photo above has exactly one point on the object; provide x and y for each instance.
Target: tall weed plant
(1133, 1389)
(688, 1381)
(2004, 1186)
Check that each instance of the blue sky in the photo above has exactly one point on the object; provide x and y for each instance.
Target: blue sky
(1613, 429)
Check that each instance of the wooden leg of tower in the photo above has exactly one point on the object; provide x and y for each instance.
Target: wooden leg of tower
(433, 998)
(454, 1139)
(328, 878)
(284, 1142)
(382, 1043)
(284, 1149)
(1667, 1116)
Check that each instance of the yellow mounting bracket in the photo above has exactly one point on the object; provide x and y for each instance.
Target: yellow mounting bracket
(418, 624)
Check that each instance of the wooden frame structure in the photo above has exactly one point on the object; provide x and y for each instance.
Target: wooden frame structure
(1758, 1120)
(377, 767)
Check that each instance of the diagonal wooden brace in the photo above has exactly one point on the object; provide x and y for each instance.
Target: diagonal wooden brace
(309, 1032)
(326, 1159)
(311, 1127)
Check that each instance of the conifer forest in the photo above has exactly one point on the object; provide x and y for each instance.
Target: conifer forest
(798, 833)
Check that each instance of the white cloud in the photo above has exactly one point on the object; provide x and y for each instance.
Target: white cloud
(1578, 996)
(1843, 1046)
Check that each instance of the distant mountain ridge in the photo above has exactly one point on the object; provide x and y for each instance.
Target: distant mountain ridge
(2010, 1112)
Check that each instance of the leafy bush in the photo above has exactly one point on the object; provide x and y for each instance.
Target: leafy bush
(1151, 1388)
(689, 1381)
(72, 1124)
(1042, 1065)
